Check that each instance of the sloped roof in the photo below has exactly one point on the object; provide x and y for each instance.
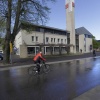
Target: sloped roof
(82, 30)
(27, 23)
(79, 31)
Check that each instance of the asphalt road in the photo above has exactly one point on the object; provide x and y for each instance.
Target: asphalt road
(65, 81)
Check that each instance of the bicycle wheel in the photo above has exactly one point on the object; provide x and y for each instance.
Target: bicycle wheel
(46, 68)
(32, 70)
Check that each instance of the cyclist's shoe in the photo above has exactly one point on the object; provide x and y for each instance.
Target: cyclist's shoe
(36, 71)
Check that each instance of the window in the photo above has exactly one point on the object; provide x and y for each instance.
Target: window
(77, 36)
(58, 40)
(77, 42)
(47, 39)
(41, 30)
(54, 39)
(37, 29)
(36, 38)
(48, 30)
(32, 38)
(68, 41)
(65, 40)
(31, 50)
(68, 35)
(61, 40)
(48, 49)
(51, 39)
(56, 49)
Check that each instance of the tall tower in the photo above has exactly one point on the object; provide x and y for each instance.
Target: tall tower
(70, 21)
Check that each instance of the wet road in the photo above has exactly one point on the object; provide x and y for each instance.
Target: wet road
(65, 81)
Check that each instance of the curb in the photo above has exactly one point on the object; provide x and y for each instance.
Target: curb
(24, 66)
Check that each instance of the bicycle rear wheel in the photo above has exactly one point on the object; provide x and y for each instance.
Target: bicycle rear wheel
(46, 68)
(32, 70)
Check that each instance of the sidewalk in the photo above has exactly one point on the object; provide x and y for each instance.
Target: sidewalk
(93, 94)
(27, 61)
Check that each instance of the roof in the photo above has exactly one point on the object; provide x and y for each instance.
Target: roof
(42, 26)
(78, 31)
(82, 30)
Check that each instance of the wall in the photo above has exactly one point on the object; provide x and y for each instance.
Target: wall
(18, 42)
(27, 37)
(56, 38)
(88, 43)
(81, 43)
(23, 51)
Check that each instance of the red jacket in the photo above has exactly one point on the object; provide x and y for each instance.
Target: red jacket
(39, 55)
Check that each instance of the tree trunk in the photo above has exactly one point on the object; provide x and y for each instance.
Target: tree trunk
(16, 25)
(7, 52)
(8, 35)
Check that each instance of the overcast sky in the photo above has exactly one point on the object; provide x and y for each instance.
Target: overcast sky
(87, 14)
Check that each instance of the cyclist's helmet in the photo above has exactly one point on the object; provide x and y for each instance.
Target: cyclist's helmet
(40, 52)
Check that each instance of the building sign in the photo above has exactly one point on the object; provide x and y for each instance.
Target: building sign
(69, 5)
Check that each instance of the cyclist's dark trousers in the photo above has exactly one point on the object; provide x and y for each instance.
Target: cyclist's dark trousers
(38, 65)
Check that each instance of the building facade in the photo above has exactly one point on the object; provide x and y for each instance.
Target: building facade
(33, 38)
(49, 40)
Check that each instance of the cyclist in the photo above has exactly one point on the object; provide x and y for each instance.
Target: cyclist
(37, 60)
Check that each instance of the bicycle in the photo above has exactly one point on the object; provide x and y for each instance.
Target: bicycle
(44, 68)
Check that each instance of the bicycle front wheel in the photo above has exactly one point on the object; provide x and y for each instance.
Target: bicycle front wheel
(32, 70)
(46, 68)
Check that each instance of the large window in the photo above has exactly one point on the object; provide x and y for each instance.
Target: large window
(31, 50)
(63, 48)
(68, 35)
(56, 49)
(68, 41)
(77, 42)
(48, 49)
(37, 49)
(77, 48)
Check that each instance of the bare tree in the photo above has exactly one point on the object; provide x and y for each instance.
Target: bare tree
(13, 11)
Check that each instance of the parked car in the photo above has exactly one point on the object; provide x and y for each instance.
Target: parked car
(1, 56)
(1, 51)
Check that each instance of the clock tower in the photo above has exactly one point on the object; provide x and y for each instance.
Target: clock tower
(70, 23)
